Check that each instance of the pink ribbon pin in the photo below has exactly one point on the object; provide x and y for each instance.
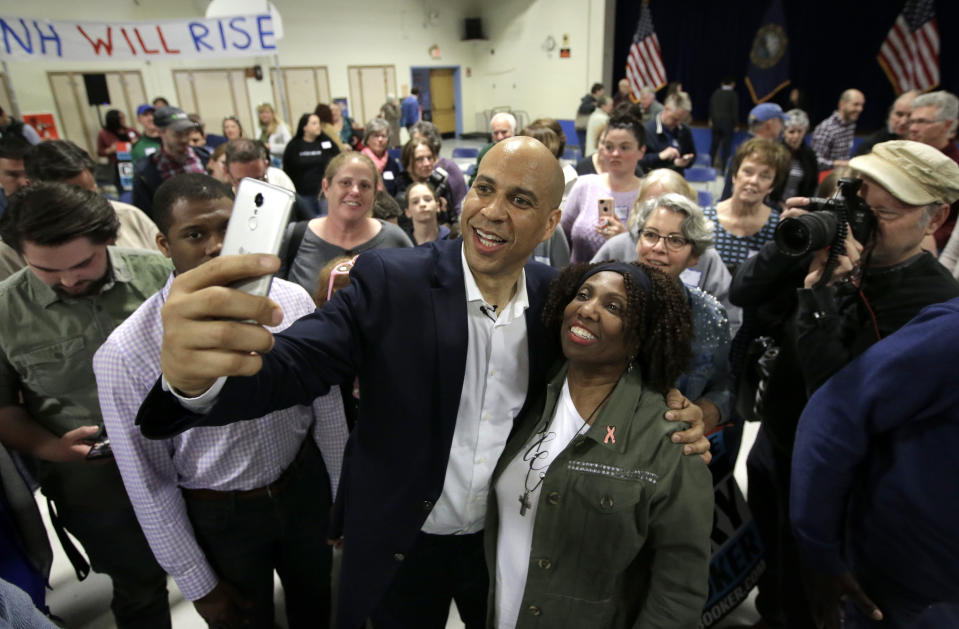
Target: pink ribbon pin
(610, 434)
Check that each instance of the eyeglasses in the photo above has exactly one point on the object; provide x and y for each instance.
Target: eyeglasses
(343, 268)
(922, 121)
(673, 242)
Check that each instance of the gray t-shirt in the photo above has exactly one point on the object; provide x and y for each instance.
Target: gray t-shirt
(314, 253)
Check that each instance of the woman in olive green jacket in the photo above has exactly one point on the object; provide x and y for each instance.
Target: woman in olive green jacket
(596, 519)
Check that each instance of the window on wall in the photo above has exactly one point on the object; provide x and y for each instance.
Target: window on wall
(80, 122)
(369, 86)
(216, 94)
(306, 86)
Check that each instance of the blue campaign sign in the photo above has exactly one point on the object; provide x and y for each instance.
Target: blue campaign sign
(737, 549)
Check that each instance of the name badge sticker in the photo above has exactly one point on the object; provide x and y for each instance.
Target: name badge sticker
(388, 175)
(325, 144)
(691, 277)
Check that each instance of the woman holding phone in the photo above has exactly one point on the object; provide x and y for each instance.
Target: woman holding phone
(598, 205)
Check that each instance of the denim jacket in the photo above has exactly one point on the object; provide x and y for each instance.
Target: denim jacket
(621, 537)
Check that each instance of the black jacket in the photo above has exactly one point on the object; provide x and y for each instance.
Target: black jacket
(724, 109)
(810, 179)
(656, 141)
(147, 178)
(883, 135)
(821, 330)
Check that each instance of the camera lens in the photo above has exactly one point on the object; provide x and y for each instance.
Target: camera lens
(258, 200)
(809, 232)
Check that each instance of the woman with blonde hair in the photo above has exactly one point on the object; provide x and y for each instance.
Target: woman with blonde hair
(348, 229)
(273, 133)
(232, 129)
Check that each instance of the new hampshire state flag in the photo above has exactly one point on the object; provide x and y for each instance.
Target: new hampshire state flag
(769, 59)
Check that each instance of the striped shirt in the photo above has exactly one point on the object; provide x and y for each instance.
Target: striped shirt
(240, 456)
(832, 140)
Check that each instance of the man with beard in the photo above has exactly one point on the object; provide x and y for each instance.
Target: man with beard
(832, 138)
(54, 314)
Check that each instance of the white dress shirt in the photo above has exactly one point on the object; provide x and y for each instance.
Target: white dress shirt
(494, 389)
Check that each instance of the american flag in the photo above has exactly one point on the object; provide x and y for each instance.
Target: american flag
(644, 65)
(910, 54)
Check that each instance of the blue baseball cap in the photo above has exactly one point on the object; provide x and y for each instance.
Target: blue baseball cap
(145, 107)
(764, 112)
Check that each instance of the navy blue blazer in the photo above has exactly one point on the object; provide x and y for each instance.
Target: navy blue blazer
(401, 327)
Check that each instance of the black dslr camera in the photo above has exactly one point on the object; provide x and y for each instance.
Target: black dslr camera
(825, 224)
(440, 180)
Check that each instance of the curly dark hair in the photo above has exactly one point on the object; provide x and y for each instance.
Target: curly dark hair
(658, 322)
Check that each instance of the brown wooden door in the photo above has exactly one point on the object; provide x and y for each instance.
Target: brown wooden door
(306, 86)
(443, 100)
(216, 94)
(369, 86)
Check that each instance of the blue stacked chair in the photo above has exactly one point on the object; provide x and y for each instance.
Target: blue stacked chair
(705, 198)
(465, 152)
(698, 174)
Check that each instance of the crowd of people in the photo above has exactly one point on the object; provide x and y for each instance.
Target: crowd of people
(521, 393)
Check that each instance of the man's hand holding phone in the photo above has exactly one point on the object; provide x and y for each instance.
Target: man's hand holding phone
(209, 328)
(204, 334)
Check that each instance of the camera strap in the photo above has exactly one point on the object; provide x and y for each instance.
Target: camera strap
(80, 565)
(837, 248)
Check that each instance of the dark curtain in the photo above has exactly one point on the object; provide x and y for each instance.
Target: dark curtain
(832, 46)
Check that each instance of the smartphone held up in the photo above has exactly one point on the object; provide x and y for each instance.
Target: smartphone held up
(605, 209)
(261, 213)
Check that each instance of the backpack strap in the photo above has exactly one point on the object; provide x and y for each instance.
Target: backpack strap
(294, 238)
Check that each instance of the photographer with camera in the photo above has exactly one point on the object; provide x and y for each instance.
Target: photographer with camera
(842, 274)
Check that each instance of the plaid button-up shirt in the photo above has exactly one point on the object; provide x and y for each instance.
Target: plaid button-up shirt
(832, 140)
(169, 167)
